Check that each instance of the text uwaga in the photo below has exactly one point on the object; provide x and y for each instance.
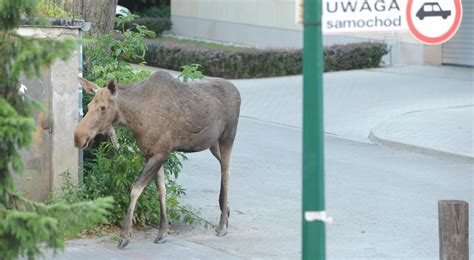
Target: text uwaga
(368, 14)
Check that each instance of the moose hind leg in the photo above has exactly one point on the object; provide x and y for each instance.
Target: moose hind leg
(225, 152)
(161, 189)
(149, 172)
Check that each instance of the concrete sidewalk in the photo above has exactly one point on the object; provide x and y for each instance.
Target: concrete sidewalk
(446, 133)
(141, 247)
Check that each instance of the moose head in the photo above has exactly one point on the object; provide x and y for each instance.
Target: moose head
(102, 113)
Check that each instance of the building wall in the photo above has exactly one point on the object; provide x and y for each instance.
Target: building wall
(460, 49)
(271, 23)
(258, 23)
(53, 151)
(252, 12)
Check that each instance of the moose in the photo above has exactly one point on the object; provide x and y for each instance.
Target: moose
(165, 115)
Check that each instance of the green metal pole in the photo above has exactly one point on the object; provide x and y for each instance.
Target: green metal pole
(314, 241)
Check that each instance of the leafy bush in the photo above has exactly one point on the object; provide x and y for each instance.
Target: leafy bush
(353, 56)
(226, 64)
(112, 173)
(156, 24)
(104, 56)
(190, 71)
(50, 9)
(157, 11)
(256, 63)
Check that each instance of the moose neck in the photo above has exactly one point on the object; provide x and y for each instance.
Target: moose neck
(135, 103)
(128, 112)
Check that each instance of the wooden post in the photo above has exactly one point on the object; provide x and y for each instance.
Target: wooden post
(453, 219)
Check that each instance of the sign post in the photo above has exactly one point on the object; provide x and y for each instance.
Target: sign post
(314, 241)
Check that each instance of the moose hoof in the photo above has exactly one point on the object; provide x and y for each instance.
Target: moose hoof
(160, 239)
(122, 243)
(221, 232)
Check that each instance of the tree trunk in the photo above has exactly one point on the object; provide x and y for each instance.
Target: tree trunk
(101, 13)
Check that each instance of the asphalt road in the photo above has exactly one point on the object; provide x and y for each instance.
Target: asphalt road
(384, 201)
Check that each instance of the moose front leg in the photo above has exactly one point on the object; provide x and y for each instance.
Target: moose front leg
(161, 189)
(152, 166)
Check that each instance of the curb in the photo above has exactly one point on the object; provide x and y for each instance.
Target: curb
(142, 248)
(419, 149)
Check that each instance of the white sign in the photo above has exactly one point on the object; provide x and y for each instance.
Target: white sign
(434, 21)
(342, 16)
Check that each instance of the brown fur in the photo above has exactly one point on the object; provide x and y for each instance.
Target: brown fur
(166, 116)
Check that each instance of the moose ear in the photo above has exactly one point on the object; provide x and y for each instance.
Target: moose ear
(88, 86)
(112, 86)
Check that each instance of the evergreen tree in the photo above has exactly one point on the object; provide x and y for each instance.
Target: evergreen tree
(23, 223)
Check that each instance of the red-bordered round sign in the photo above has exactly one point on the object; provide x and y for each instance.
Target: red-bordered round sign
(419, 23)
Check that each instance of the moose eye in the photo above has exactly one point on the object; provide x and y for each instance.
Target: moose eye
(102, 108)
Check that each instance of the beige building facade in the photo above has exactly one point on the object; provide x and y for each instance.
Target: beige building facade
(271, 23)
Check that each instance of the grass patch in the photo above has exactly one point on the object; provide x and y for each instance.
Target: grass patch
(167, 39)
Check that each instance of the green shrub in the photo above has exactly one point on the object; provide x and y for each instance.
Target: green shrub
(226, 64)
(354, 56)
(256, 63)
(50, 9)
(104, 56)
(157, 11)
(190, 72)
(156, 24)
(113, 173)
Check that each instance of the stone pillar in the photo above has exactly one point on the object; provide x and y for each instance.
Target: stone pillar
(53, 150)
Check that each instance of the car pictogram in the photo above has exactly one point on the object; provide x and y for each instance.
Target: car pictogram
(432, 9)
